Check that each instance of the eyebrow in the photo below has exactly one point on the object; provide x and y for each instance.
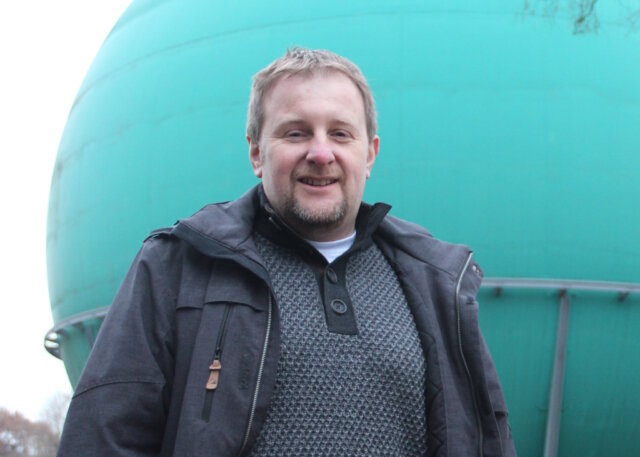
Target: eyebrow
(301, 121)
(345, 123)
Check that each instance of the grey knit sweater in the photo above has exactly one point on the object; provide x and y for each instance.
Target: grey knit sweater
(339, 394)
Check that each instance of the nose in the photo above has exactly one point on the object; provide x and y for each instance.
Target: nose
(320, 151)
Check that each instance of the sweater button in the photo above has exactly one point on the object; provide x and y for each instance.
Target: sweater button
(331, 275)
(338, 306)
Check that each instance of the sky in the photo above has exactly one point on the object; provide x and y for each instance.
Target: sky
(46, 48)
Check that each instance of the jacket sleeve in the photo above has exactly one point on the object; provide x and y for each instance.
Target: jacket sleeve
(120, 404)
(498, 403)
(493, 407)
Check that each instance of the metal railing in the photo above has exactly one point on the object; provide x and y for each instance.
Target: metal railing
(54, 336)
(623, 289)
(563, 287)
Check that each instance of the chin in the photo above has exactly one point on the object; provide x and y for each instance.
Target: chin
(313, 215)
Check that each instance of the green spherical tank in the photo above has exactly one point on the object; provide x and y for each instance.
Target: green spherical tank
(508, 126)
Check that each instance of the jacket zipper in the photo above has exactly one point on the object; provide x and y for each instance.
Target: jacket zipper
(476, 409)
(259, 380)
(216, 365)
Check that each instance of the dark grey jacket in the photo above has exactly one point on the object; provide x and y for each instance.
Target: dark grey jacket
(199, 288)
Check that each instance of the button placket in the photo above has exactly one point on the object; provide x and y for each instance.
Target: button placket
(337, 304)
(331, 275)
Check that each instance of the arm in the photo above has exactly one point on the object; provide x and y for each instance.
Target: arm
(498, 403)
(120, 405)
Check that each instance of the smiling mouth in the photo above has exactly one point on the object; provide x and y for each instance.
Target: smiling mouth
(318, 182)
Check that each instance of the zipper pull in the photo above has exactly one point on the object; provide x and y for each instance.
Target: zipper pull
(214, 373)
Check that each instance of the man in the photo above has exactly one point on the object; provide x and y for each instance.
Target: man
(296, 320)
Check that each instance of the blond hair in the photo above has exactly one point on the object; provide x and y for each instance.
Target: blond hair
(300, 61)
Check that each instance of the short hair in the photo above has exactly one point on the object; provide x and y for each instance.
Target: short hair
(306, 61)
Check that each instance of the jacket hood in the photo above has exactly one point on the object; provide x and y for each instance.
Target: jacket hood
(229, 224)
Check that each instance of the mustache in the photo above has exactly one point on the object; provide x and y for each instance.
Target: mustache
(318, 174)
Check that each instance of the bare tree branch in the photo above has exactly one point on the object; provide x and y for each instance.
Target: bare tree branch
(21, 437)
(582, 13)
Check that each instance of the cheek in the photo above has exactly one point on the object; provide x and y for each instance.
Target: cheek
(358, 172)
(359, 181)
(279, 174)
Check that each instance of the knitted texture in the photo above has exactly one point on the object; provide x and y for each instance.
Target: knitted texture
(344, 395)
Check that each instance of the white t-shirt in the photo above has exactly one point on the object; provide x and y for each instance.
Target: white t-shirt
(331, 250)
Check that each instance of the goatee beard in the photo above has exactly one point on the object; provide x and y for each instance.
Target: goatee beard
(305, 217)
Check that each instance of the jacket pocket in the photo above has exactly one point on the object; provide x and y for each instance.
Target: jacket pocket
(215, 368)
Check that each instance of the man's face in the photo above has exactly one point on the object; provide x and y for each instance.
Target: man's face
(314, 155)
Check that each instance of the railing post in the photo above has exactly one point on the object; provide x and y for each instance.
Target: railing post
(554, 415)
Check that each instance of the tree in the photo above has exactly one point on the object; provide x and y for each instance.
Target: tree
(55, 411)
(21, 437)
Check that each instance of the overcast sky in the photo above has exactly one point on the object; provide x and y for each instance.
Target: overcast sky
(46, 48)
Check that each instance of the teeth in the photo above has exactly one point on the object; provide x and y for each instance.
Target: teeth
(317, 182)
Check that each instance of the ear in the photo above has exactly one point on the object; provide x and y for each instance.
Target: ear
(254, 157)
(372, 153)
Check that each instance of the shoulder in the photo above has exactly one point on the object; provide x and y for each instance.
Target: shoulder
(420, 245)
(182, 250)
(403, 227)
(229, 223)
(411, 245)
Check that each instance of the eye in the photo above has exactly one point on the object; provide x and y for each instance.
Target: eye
(341, 135)
(295, 134)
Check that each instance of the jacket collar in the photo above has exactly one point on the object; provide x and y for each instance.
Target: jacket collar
(225, 230)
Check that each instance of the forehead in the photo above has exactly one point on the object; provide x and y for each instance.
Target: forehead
(323, 91)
